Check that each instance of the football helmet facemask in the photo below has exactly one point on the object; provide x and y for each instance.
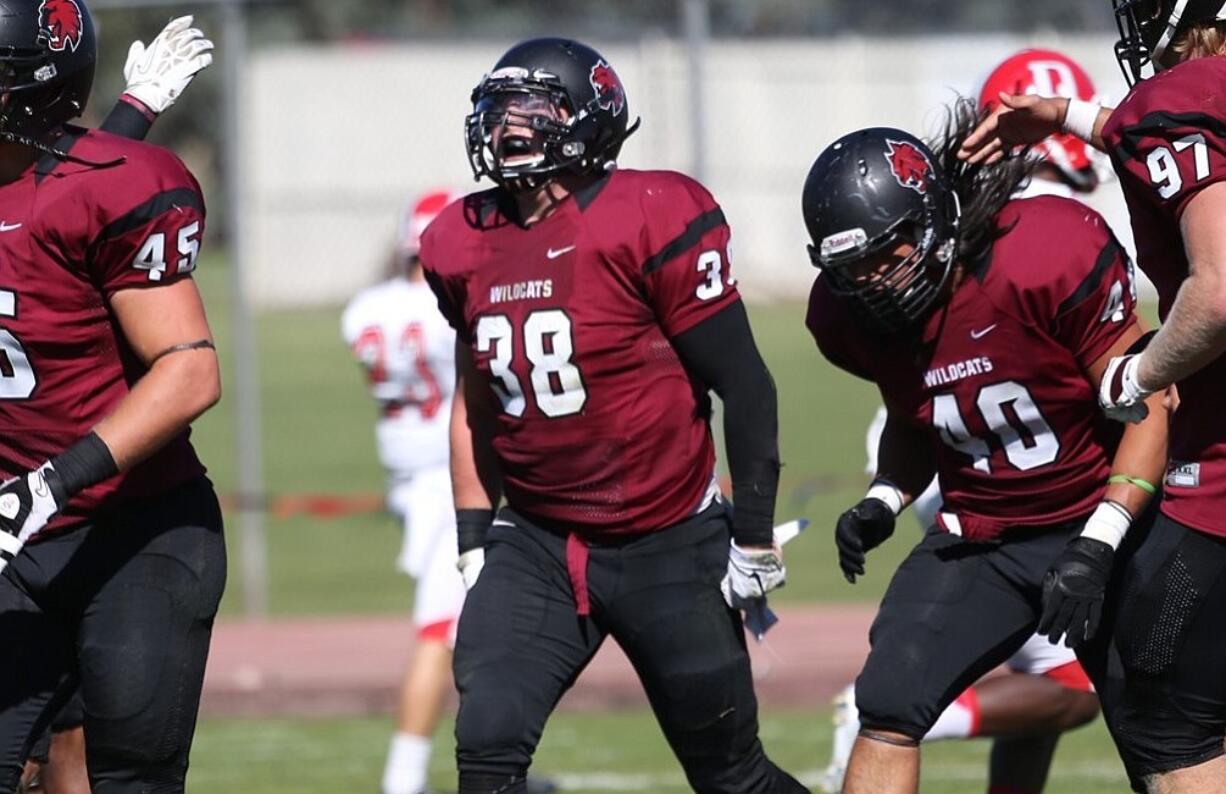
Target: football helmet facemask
(869, 192)
(549, 106)
(1148, 28)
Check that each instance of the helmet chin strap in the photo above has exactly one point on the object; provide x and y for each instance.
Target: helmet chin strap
(1172, 24)
(39, 146)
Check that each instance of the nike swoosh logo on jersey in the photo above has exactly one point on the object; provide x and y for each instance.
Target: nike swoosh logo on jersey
(8, 227)
(552, 254)
(984, 332)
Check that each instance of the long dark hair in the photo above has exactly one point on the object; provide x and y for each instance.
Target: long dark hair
(983, 190)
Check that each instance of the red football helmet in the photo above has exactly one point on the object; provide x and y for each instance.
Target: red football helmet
(417, 216)
(1048, 73)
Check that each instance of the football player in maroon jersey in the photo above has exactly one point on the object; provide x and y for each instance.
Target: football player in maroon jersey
(1023, 714)
(594, 308)
(110, 535)
(1167, 142)
(155, 75)
(987, 344)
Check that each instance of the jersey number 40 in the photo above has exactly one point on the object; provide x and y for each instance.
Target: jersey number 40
(1011, 414)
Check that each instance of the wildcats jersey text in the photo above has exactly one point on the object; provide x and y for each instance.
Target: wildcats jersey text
(999, 379)
(600, 425)
(1167, 142)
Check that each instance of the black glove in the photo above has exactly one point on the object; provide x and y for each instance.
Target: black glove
(1073, 591)
(860, 530)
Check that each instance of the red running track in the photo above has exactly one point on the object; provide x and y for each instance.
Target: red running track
(352, 666)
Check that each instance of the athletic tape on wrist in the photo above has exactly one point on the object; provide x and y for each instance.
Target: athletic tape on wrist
(887, 492)
(1081, 118)
(85, 463)
(1109, 523)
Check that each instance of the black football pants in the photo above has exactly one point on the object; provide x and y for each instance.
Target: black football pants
(953, 611)
(1159, 662)
(521, 645)
(122, 608)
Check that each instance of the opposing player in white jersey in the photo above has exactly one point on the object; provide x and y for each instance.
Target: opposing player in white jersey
(408, 352)
(1023, 714)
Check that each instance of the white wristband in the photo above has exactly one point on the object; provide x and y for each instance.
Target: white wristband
(1081, 119)
(886, 492)
(1109, 523)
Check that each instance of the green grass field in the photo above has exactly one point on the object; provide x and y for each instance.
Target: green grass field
(588, 754)
(317, 433)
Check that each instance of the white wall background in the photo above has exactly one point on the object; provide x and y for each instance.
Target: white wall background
(337, 139)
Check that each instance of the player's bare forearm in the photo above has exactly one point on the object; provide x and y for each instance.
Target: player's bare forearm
(1141, 456)
(904, 457)
(1142, 451)
(166, 328)
(1194, 333)
(476, 482)
(163, 403)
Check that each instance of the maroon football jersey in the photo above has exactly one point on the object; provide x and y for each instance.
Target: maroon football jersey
(1167, 141)
(72, 235)
(999, 380)
(600, 425)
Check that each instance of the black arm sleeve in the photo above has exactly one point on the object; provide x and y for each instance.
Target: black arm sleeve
(127, 122)
(721, 352)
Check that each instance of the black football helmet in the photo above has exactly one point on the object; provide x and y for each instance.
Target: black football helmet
(47, 57)
(550, 105)
(1147, 28)
(867, 193)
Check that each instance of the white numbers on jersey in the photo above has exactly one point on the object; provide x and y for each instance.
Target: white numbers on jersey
(1013, 417)
(549, 347)
(711, 265)
(17, 378)
(1164, 167)
(152, 255)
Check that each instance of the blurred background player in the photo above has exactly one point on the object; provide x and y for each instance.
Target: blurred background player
(1023, 714)
(1165, 700)
(156, 76)
(988, 348)
(407, 349)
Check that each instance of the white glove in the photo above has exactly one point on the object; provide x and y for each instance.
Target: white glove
(470, 564)
(26, 505)
(752, 573)
(1122, 398)
(159, 73)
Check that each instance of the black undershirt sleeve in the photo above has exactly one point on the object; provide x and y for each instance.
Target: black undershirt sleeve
(720, 351)
(127, 122)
